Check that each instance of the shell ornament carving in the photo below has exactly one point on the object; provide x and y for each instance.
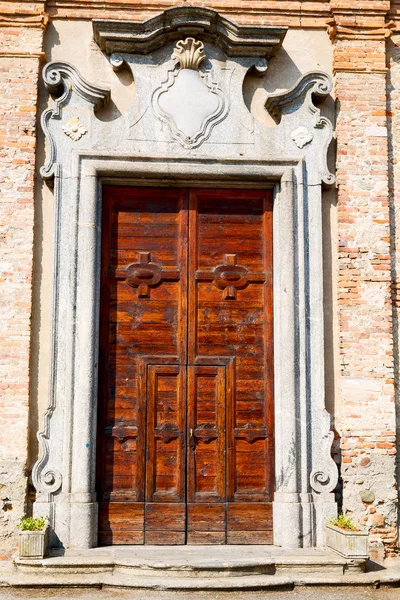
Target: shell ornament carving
(189, 53)
(189, 101)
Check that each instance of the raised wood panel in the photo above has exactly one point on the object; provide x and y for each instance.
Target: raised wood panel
(206, 443)
(166, 433)
(249, 523)
(165, 523)
(121, 523)
(230, 314)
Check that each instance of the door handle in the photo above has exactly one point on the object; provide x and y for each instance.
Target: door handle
(191, 439)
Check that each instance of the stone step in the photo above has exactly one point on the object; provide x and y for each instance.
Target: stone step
(186, 567)
(250, 582)
(142, 570)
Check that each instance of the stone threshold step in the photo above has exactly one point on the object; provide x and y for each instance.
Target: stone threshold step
(212, 568)
(104, 580)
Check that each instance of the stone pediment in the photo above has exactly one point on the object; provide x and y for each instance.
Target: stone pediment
(189, 65)
(143, 37)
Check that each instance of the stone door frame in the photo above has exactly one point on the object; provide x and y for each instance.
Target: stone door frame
(145, 146)
(73, 510)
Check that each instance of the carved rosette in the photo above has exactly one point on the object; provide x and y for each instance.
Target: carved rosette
(189, 101)
(74, 129)
(302, 136)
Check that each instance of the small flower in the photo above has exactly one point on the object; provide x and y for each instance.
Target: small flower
(301, 136)
(74, 129)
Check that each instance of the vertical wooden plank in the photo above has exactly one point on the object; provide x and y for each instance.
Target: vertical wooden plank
(107, 203)
(230, 395)
(269, 339)
(192, 267)
(183, 264)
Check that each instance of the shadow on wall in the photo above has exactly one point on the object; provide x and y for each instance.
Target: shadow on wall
(282, 73)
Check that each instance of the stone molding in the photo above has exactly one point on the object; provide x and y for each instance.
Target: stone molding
(359, 32)
(206, 24)
(138, 149)
(310, 88)
(62, 80)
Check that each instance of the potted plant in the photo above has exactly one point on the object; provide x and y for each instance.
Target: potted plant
(33, 537)
(346, 538)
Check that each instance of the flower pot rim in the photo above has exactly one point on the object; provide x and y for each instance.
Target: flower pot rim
(347, 531)
(37, 531)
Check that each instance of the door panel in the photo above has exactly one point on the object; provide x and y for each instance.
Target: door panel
(165, 523)
(230, 304)
(143, 321)
(206, 423)
(166, 426)
(185, 423)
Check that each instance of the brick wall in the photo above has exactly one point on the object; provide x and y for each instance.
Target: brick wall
(368, 426)
(20, 48)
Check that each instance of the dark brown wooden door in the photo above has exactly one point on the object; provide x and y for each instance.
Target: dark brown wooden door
(185, 427)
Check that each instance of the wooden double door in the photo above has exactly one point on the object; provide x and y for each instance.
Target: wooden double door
(185, 427)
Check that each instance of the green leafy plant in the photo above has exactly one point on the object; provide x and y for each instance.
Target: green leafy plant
(32, 523)
(343, 522)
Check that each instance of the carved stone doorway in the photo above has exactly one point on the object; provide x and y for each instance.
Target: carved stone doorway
(205, 55)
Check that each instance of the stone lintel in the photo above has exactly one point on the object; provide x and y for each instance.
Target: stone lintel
(135, 37)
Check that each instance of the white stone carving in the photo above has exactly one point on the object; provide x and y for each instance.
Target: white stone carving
(301, 136)
(189, 101)
(74, 129)
(189, 53)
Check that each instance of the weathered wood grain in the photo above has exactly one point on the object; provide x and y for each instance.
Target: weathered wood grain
(185, 425)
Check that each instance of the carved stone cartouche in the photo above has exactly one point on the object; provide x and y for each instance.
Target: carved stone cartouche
(189, 101)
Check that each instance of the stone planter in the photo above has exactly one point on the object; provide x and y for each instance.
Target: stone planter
(347, 543)
(33, 544)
